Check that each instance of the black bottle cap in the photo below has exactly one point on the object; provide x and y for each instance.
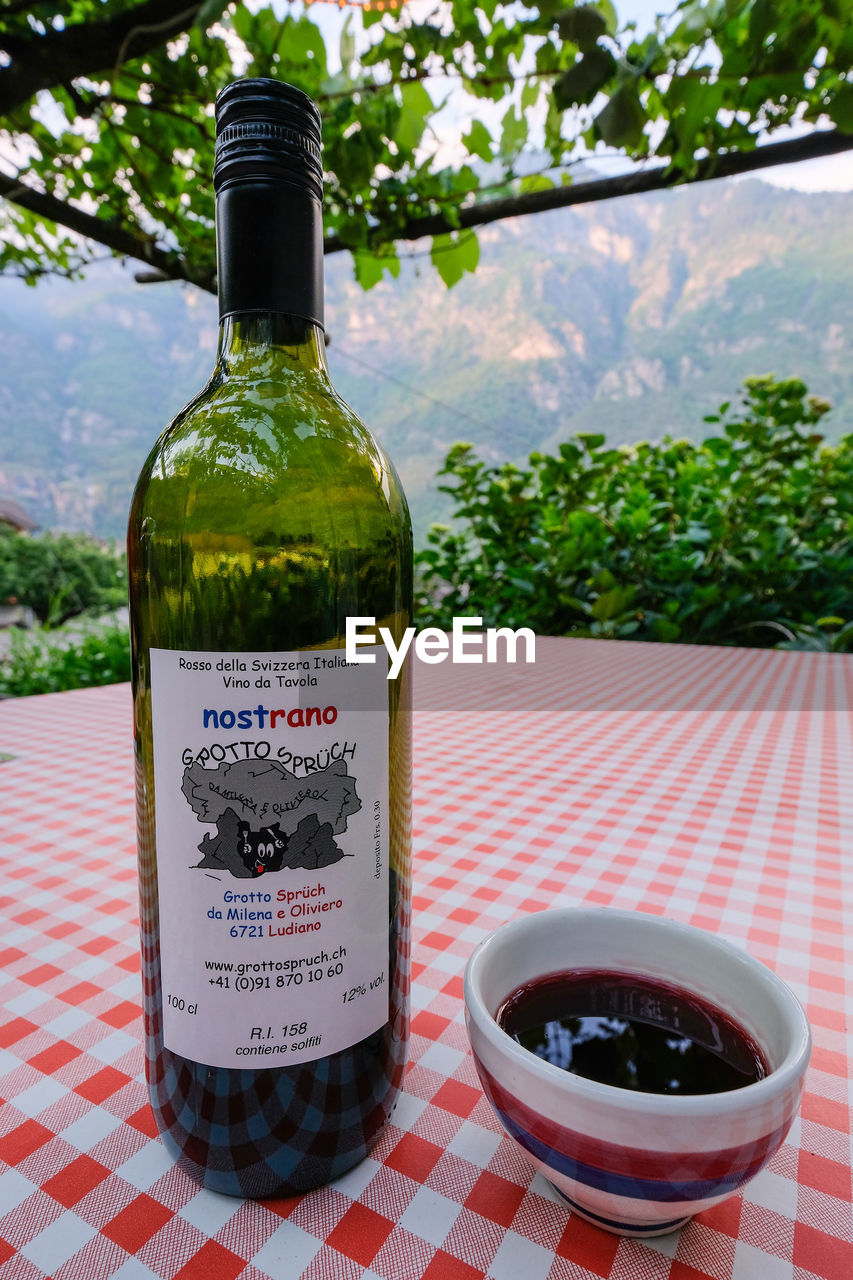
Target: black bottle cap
(268, 176)
(267, 130)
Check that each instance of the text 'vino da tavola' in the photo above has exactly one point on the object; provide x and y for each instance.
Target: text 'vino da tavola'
(273, 776)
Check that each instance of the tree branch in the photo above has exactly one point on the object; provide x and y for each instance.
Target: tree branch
(135, 244)
(84, 48)
(825, 142)
(129, 243)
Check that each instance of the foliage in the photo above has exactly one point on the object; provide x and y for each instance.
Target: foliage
(61, 575)
(111, 115)
(50, 661)
(703, 543)
(827, 635)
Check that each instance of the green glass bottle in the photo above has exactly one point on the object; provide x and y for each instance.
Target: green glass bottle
(273, 776)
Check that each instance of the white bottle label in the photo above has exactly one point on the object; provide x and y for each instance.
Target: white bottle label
(271, 799)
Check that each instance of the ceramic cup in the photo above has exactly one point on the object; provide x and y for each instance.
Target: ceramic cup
(638, 1164)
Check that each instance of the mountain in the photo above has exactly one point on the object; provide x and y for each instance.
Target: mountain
(635, 317)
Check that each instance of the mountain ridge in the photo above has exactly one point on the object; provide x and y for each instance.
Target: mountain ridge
(635, 317)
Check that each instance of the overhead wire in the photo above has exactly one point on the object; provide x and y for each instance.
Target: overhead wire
(456, 412)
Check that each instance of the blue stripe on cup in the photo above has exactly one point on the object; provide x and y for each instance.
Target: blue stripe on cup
(620, 1184)
(613, 1224)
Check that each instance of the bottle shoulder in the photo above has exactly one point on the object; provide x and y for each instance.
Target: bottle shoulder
(276, 414)
(263, 440)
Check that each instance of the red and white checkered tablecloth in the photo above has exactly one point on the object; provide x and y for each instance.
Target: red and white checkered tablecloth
(714, 786)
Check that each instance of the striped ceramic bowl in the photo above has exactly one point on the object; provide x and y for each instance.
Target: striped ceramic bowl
(638, 1164)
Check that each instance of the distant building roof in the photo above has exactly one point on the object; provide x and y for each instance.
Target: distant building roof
(13, 513)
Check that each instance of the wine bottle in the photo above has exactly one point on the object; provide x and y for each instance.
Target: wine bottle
(273, 776)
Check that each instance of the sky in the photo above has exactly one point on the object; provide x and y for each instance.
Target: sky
(831, 173)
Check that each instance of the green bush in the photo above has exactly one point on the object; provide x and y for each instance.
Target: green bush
(827, 635)
(49, 661)
(715, 543)
(60, 575)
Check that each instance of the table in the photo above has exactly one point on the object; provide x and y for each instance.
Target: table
(710, 785)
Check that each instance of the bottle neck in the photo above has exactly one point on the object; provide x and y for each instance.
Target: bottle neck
(270, 344)
(269, 250)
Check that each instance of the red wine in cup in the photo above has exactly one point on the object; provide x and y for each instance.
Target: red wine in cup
(632, 1032)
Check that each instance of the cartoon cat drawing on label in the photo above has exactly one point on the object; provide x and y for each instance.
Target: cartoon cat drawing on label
(262, 850)
(267, 819)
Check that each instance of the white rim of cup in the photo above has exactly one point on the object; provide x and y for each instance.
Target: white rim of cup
(778, 1081)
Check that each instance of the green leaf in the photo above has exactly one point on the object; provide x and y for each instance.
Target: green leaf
(664, 629)
(513, 133)
(530, 95)
(209, 12)
(611, 603)
(696, 19)
(841, 107)
(299, 43)
(416, 105)
(582, 25)
(266, 33)
(579, 85)
(368, 269)
(243, 22)
(553, 129)
(621, 122)
(454, 254)
(535, 182)
(608, 12)
(763, 19)
(478, 141)
(347, 44)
